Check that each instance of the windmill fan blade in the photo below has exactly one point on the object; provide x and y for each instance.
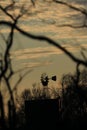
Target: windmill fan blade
(54, 78)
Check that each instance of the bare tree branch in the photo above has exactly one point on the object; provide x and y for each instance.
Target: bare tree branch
(7, 66)
(48, 40)
(3, 37)
(33, 2)
(4, 10)
(82, 10)
(52, 42)
(85, 58)
(73, 26)
(10, 6)
(21, 78)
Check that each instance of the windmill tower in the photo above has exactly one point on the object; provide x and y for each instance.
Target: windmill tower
(42, 113)
(45, 80)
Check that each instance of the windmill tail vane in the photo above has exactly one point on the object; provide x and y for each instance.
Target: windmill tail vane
(54, 78)
(45, 79)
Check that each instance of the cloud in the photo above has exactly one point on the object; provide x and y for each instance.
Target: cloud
(41, 52)
(44, 19)
(36, 64)
(31, 65)
(33, 53)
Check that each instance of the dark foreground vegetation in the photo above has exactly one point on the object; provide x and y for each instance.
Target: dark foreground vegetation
(49, 108)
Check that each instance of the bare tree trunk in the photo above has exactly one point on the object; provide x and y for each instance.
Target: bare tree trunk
(2, 116)
(11, 115)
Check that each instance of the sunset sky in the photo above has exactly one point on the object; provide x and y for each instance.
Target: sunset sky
(39, 57)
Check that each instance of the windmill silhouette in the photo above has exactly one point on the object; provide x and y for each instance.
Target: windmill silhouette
(45, 79)
(44, 113)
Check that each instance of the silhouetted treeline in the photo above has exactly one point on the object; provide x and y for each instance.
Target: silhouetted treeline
(72, 100)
